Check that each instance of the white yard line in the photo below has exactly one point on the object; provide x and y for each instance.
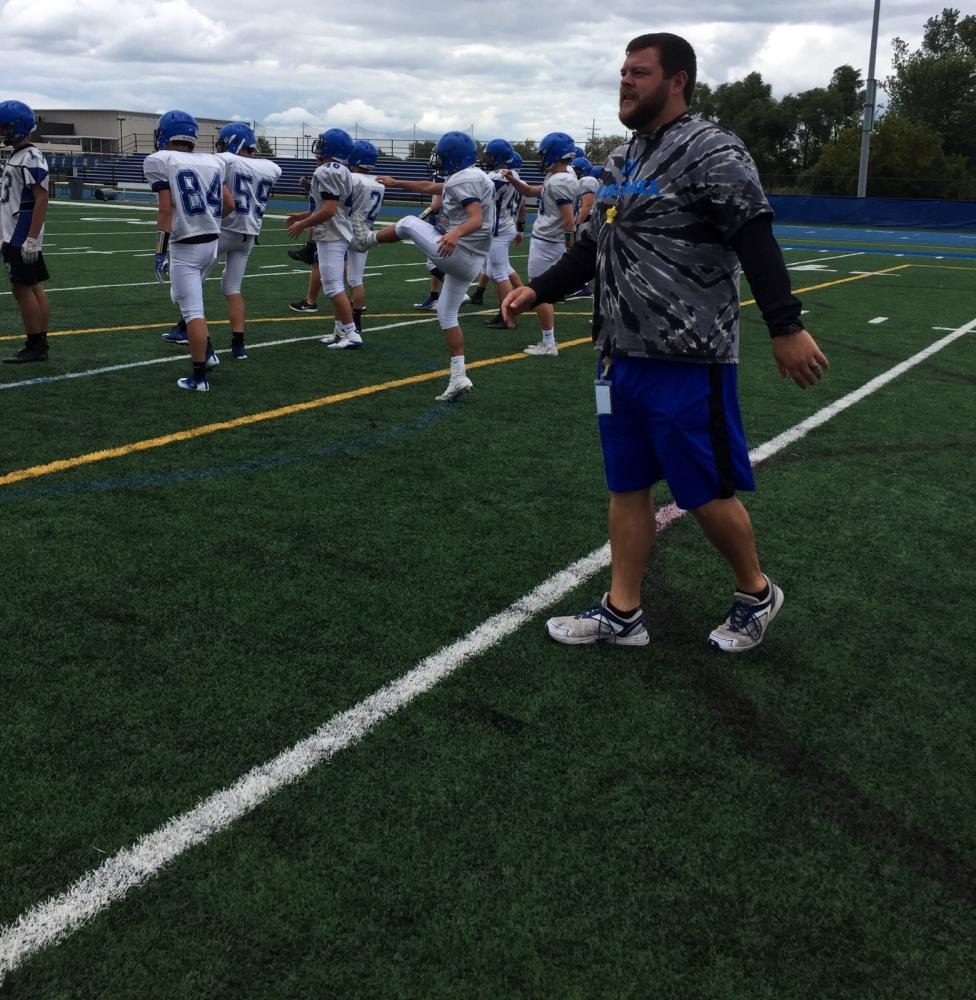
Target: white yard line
(184, 357)
(818, 260)
(53, 920)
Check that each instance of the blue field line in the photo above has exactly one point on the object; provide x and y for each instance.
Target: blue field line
(417, 425)
(931, 254)
(910, 237)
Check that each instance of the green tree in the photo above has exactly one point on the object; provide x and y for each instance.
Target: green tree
(264, 147)
(936, 83)
(748, 108)
(597, 150)
(907, 161)
(422, 149)
(848, 85)
(703, 102)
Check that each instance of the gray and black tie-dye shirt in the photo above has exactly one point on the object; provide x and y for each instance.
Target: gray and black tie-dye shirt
(667, 278)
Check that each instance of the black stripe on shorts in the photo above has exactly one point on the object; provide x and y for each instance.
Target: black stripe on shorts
(719, 432)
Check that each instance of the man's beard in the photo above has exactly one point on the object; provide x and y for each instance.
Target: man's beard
(646, 112)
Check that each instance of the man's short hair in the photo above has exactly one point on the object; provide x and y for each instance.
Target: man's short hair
(675, 53)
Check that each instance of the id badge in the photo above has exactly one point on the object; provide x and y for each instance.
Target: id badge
(604, 404)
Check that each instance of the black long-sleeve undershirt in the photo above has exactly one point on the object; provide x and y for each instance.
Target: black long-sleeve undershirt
(754, 244)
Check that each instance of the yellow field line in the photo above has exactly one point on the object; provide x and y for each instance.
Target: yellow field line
(62, 465)
(393, 315)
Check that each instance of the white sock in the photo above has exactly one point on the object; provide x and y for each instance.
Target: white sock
(549, 338)
(457, 365)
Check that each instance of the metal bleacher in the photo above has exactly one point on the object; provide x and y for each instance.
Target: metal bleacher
(111, 171)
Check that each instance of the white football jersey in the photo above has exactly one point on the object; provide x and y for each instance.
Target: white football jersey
(587, 185)
(250, 181)
(195, 181)
(25, 168)
(507, 202)
(558, 189)
(461, 189)
(332, 181)
(366, 198)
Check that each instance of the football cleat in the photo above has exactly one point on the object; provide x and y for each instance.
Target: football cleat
(177, 335)
(350, 341)
(301, 306)
(542, 350)
(599, 624)
(586, 292)
(747, 621)
(428, 305)
(457, 386)
(238, 353)
(212, 361)
(191, 383)
(496, 323)
(27, 354)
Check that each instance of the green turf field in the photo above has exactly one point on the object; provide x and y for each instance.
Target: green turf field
(194, 584)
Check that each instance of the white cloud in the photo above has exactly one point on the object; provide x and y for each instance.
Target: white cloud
(510, 69)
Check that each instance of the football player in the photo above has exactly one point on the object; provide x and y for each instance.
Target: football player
(467, 216)
(366, 201)
(250, 181)
(192, 199)
(330, 191)
(588, 187)
(499, 156)
(23, 209)
(555, 223)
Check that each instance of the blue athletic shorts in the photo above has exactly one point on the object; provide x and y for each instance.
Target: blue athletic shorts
(676, 421)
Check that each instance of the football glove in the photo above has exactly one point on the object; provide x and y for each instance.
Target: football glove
(29, 250)
(162, 266)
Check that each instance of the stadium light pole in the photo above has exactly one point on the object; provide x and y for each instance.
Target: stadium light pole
(870, 99)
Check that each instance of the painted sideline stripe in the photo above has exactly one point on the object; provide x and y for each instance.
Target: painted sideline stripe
(54, 919)
(803, 428)
(63, 464)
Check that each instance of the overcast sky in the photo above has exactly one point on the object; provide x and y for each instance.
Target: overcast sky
(518, 69)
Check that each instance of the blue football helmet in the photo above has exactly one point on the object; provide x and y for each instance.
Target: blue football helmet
(554, 147)
(580, 151)
(364, 154)
(17, 121)
(581, 166)
(175, 126)
(333, 144)
(596, 172)
(454, 152)
(498, 153)
(235, 137)
(515, 163)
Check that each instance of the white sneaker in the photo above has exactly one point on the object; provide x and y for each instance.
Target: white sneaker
(363, 236)
(747, 621)
(349, 341)
(599, 624)
(193, 385)
(212, 361)
(332, 338)
(457, 386)
(542, 350)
